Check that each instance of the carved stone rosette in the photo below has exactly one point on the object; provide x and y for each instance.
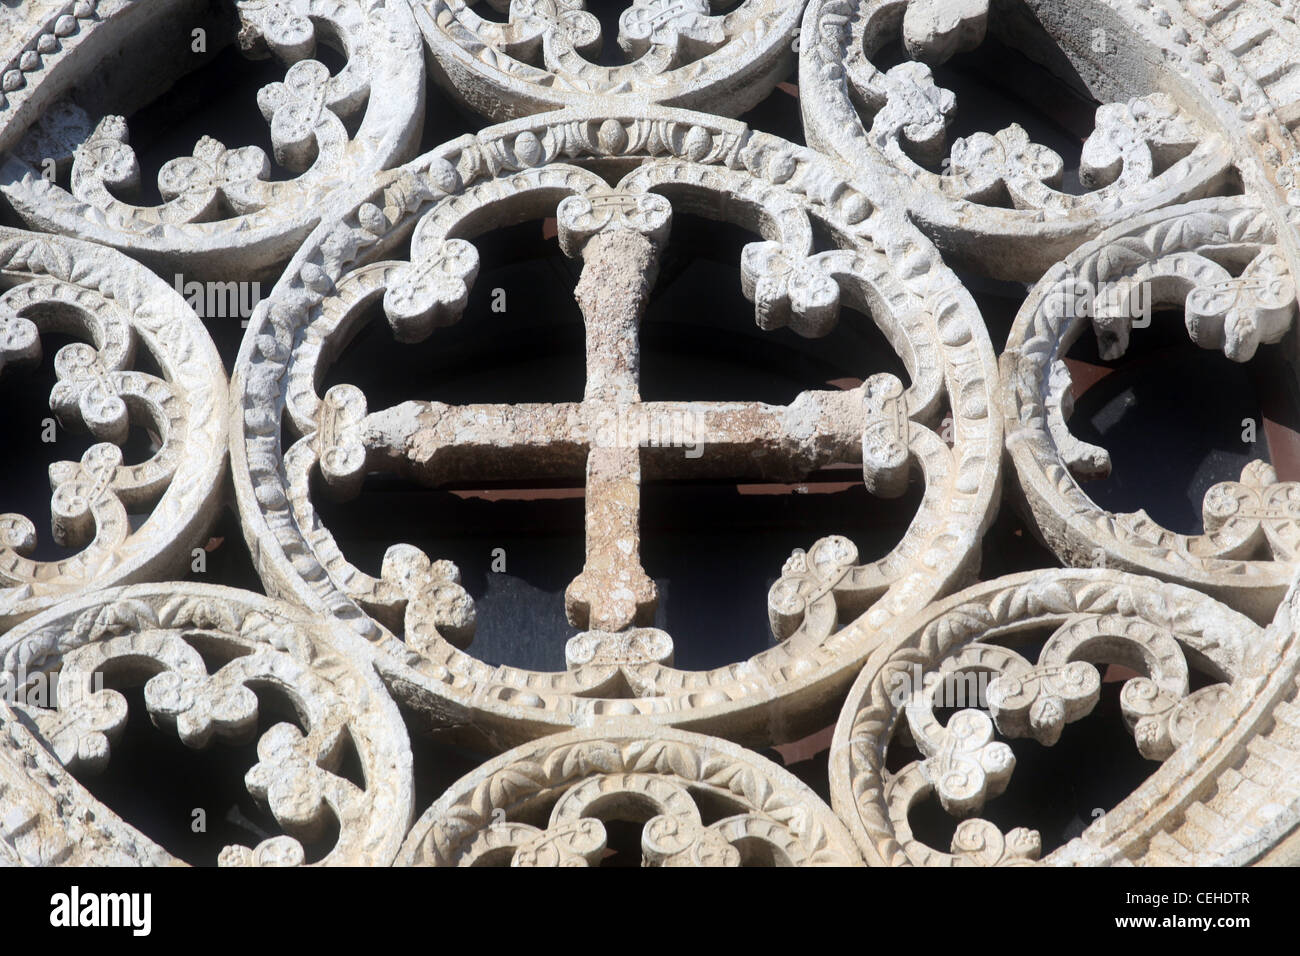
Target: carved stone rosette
(545, 55)
(530, 168)
(962, 653)
(54, 285)
(701, 802)
(67, 669)
(1217, 260)
(1186, 187)
(222, 213)
(997, 201)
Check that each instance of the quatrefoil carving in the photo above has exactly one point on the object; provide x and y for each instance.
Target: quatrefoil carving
(984, 164)
(86, 391)
(1257, 513)
(192, 187)
(916, 108)
(531, 22)
(965, 765)
(288, 778)
(963, 654)
(84, 499)
(998, 200)
(1239, 314)
(685, 26)
(55, 285)
(435, 603)
(199, 707)
(1188, 255)
(282, 26)
(223, 215)
(214, 169)
(790, 290)
(295, 109)
(152, 635)
(631, 773)
(432, 290)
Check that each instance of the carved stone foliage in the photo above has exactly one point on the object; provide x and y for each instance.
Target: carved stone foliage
(1228, 797)
(119, 309)
(1217, 260)
(701, 802)
(962, 653)
(67, 669)
(530, 168)
(545, 55)
(222, 212)
(995, 198)
(613, 127)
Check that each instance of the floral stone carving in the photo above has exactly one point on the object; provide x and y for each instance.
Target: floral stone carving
(67, 667)
(58, 285)
(629, 770)
(545, 55)
(1246, 557)
(961, 653)
(907, 205)
(222, 212)
(523, 168)
(997, 200)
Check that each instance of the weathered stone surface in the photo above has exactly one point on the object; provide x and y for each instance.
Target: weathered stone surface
(628, 770)
(222, 213)
(1248, 554)
(961, 653)
(542, 57)
(53, 284)
(1184, 197)
(465, 187)
(155, 634)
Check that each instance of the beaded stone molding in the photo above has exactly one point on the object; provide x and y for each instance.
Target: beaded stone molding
(615, 130)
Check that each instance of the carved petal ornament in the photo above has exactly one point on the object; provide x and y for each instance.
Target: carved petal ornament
(880, 193)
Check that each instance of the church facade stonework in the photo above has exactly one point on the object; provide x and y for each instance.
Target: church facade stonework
(886, 202)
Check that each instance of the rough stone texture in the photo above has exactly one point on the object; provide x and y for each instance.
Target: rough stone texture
(886, 267)
(1248, 554)
(1189, 189)
(1099, 618)
(681, 54)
